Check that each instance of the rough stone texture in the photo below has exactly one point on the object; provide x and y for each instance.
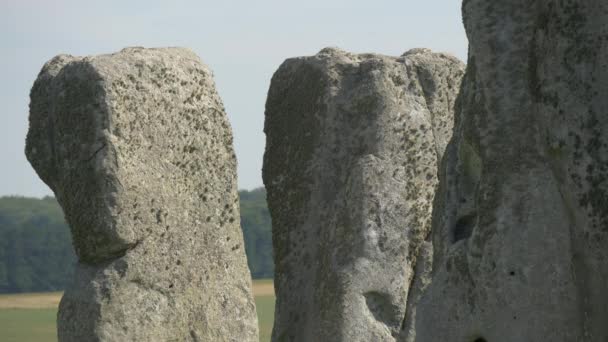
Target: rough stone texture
(520, 228)
(138, 150)
(350, 169)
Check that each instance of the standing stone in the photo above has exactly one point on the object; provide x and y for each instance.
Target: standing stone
(521, 223)
(138, 150)
(350, 169)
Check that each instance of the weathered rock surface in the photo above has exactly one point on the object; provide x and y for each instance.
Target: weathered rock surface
(138, 150)
(520, 228)
(350, 169)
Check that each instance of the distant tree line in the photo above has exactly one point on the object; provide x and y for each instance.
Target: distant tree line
(36, 251)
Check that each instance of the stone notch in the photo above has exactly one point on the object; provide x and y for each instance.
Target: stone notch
(138, 150)
(521, 223)
(350, 169)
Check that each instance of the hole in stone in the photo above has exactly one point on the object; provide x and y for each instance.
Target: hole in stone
(512, 273)
(381, 307)
(464, 227)
(480, 339)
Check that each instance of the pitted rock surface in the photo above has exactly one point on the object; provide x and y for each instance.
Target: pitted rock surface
(521, 223)
(350, 169)
(138, 150)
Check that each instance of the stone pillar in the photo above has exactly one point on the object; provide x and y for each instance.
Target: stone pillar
(351, 169)
(521, 226)
(137, 148)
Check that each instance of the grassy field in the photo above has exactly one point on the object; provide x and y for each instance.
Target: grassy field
(31, 317)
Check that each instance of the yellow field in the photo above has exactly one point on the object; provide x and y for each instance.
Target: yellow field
(30, 317)
(262, 288)
(46, 300)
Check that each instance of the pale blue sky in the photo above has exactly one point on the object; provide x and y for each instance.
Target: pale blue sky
(243, 42)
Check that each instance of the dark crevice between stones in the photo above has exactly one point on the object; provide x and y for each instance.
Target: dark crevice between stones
(463, 227)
